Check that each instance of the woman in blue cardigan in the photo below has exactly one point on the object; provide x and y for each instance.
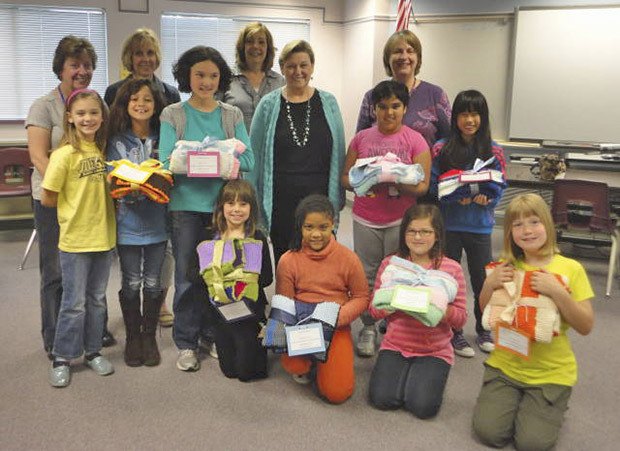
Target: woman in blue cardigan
(297, 137)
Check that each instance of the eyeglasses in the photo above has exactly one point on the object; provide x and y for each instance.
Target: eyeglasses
(424, 233)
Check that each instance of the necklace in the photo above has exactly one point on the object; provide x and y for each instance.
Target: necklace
(306, 127)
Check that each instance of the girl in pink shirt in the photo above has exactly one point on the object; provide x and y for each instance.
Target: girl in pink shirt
(377, 214)
(414, 360)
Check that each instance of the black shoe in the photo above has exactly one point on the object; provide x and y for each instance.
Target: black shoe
(108, 339)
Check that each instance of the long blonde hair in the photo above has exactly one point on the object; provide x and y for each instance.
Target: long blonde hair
(71, 135)
(522, 206)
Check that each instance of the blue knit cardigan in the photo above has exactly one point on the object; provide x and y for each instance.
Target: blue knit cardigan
(262, 135)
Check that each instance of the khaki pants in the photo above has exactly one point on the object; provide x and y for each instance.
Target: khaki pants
(529, 415)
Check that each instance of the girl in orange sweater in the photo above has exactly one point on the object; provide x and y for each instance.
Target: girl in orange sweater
(318, 269)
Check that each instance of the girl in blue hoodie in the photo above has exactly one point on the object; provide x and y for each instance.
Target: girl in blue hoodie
(141, 223)
(467, 201)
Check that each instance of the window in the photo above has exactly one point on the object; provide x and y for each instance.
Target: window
(29, 36)
(182, 32)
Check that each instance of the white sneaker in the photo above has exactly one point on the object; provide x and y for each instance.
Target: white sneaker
(303, 379)
(485, 341)
(367, 342)
(461, 346)
(208, 345)
(213, 351)
(187, 360)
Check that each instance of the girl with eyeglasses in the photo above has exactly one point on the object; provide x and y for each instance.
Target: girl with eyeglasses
(415, 357)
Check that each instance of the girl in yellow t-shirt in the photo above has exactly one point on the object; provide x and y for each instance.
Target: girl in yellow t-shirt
(75, 183)
(526, 389)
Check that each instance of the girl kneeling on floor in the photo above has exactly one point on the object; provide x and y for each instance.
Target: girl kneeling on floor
(523, 397)
(75, 182)
(318, 269)
(416, 354)
(236, 266)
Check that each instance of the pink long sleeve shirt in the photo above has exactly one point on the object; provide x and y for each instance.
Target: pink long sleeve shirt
(409, 336)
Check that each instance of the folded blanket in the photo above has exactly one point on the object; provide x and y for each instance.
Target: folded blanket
(402, 272)
(228, 149)
(288, 312)
(156, 187)
(230, 269)
(519, 305)
(367, 172)
(457, 184)
(282, 314)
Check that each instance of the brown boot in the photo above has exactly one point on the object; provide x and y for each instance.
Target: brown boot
(130, 306)
(152, 303)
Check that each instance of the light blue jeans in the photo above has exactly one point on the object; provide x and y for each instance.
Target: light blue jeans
(83, 307)
(141, 267)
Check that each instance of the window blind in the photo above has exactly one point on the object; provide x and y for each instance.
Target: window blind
(180, 32)
(29, 36)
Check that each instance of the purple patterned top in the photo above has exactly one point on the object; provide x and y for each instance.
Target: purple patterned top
(428, 112)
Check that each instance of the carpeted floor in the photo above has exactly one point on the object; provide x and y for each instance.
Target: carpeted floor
(163, 408)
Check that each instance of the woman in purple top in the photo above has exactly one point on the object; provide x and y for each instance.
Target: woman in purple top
(428, 112)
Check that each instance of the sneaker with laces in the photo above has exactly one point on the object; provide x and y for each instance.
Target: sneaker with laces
(485, 341)
(187, 360)
(367, 342)
(461, 346)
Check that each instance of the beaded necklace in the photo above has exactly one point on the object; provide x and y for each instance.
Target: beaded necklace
(291, 125)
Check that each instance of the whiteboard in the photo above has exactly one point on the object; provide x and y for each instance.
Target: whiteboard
(469, 54)
(566, 75)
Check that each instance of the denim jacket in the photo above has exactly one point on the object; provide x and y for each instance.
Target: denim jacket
(139, 221)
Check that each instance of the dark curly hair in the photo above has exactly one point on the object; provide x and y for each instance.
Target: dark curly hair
(182, 68)
(314, 203)
(72, 47)
(120, 121)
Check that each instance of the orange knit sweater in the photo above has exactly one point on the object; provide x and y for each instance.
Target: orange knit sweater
(332, 274)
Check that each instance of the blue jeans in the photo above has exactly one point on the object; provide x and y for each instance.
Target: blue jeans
(415, 383)
(191, 311)
(46, 223)
(141, 267)
(83, 307)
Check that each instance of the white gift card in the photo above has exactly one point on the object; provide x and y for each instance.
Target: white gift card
(512, 340)
(234, 311)
(411, 299)
(130, 174)
(305, 339)
(203, 164)
(477, 177)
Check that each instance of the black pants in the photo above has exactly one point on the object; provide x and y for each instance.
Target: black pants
(415, 383)
(239, 350)
(477, 247)
(288, 191)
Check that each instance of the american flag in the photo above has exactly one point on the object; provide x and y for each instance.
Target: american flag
(403, 14)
